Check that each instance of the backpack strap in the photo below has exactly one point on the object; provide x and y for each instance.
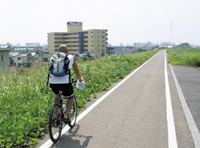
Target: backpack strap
(50, 71)
(66, 67)
(48, 79)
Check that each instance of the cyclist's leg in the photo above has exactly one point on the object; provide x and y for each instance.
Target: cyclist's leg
(56, 99)
(68, 91)
(55, 89)
(69, 104)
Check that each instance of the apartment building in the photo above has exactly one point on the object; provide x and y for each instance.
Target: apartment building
(78, 40)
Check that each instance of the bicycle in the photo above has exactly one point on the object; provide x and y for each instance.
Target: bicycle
(57, 115)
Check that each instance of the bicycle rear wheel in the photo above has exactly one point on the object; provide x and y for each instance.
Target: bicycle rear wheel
(55, 123)
(73, 114)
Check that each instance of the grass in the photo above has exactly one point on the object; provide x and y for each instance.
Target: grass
(186, 57)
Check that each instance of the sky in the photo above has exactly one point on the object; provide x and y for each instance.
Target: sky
(127, 21)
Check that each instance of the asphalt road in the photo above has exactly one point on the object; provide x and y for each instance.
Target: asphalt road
(134, 115)
(189, 80)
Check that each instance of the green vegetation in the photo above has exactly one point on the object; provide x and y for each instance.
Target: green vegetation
(184, 56)
(25, 101)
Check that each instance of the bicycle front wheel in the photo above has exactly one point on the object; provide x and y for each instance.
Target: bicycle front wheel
(73, 114)
(55, 123)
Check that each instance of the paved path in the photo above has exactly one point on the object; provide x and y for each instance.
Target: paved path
(189, 80)
(134, 115)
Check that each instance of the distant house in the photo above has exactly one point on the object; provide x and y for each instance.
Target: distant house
(24, 57)
(12, 56)
(110, 50)
(43, 55)
(27, 59)
(19, 60)
(4, 57)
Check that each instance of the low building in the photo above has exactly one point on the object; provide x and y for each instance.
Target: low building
(22, 49)
(25, 58)
(4, 57)
(42, 55)
(19, 61)
(12, 56)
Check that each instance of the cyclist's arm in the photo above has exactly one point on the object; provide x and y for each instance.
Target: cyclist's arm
(76, 70)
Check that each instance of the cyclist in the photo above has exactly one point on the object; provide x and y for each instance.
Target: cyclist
(63, 83)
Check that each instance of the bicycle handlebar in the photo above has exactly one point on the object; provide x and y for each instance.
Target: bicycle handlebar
(74, 81)
(79, 85)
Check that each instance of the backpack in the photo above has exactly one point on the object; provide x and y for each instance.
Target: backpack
(59, 66)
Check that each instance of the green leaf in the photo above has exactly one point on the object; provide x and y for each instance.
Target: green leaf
(27, 124)
(34, 139)
(33, 134)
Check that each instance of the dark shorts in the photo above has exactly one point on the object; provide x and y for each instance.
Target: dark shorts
(67, 89)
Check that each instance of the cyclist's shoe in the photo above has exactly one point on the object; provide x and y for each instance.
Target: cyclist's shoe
(66, 121)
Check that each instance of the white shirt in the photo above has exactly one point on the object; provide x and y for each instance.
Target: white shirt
(64, 79)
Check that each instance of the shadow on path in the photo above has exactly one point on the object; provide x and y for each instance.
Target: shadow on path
(72, 139)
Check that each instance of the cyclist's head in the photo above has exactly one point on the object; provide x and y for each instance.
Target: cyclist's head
(63, 48)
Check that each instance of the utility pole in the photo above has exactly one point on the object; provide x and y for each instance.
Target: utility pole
(171, 34)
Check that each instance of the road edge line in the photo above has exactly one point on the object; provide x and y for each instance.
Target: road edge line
(172, 140)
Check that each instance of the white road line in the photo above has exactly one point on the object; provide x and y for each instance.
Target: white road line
(66, 128)
(191, 123)
(172, 141)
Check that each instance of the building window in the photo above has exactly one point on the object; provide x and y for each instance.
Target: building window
(2, 58)
(18, 58)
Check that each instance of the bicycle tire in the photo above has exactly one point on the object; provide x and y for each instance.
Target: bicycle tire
(55, 123)
(73, 114)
